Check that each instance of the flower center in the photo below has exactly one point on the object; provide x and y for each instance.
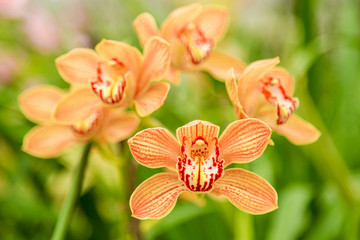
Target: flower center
(197, 45)
(275, 94)
(111, 81)
(87, 126)
(199, 166)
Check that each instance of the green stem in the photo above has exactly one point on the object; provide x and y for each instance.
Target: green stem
(70, 202)
(244, 226)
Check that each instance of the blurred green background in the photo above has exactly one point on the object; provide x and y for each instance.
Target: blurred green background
(318, 42)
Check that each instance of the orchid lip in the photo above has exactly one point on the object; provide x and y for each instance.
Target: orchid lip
(275, 94)
(87, 126)
(111, 81)
(199, 166)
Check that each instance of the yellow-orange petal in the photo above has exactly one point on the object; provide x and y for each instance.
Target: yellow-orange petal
(251, 77)
(156, 196)
(247, 191)
(178, 19)
(156, 61)
(145, 27)
(154, 148)
(48, 141)
(298, 131)
(122, 52)
(38, 103)
(173, 76)
(78, 66)
(198, 128)
(213, 22)
(76, 106)
(219, 64)
(244, 140)
(117, 125)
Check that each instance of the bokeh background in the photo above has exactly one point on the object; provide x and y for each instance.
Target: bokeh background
(318, 41)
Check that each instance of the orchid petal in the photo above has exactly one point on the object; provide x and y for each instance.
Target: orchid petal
(231, 88)
(78, 66)
(76, 106)
(298, 131)
(122, 52)
(173, 76)
(287, 81)
(196, 129)
(48, 141)
(156, 61)
(154, 148)
(152, 99)
(38, 102)
(218, 65)
(145, 27)
(247, 191)
(178, 19)
(157, 196)
(244, 140)
(213, 22)
(117, 125)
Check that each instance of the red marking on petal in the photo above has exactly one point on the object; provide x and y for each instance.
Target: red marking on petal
(197, 45)
(88, 126)
(275, 94)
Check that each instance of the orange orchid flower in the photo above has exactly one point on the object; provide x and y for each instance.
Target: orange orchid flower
(116, 74)
(50, 139)
(192, 32)
(199, 158)
(264, 91)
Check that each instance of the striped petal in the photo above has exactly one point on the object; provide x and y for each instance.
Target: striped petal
(156, 197)
(76, 106)
(154, 148)
(38, 102)
(213, 22)
(247, 191)
(48, 141)
(218, 65)
(78, 66)
(145, 27)
(196, 129)
(152, 99)
(156, 61)
(117, 125)
(243, 141)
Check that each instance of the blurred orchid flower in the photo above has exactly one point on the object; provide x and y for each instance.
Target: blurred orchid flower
(13, 8)
(192, 32)
(115, 75)
(50, 139)
(264, 91)
(199, 158)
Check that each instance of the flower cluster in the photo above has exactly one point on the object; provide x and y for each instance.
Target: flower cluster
(116, 77)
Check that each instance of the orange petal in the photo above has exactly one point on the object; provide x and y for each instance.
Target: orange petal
(173, 76)
(219, 64)
(48, 141)
(287, 81)
(247, 191)
(244, 140)
(157, 196)
(156, 61)
(232, 90)
(177, 20)
(122, 52)
(145, 27)
(213, 22)
(197, 128)
(76, 106)
(78, 66)
(152, 99)
(154, 148)
(38, 102)
(117, 125)
(251, 77)
(298, 131)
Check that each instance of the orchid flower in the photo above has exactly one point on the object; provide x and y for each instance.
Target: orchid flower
(264, 91)
(116, 74)
(198, 159)
(50, 139)
(192, 32)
